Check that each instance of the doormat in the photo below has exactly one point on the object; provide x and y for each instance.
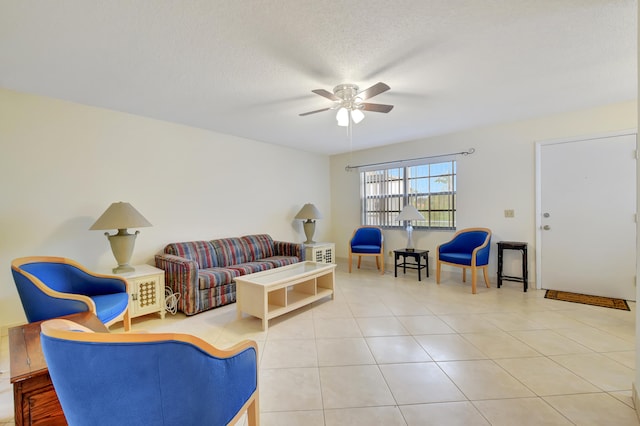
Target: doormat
(586, 299)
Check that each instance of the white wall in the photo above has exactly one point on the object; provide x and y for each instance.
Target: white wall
(63, 164)
(636, 383)
(499, 175)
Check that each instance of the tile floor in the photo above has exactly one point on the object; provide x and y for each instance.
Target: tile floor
(393, 351)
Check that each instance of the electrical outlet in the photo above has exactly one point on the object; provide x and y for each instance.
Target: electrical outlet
(390, 253)
(509, 213)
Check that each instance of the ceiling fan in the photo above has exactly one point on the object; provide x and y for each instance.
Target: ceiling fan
(350, 102)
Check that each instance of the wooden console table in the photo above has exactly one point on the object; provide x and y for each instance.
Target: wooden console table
(34, 399)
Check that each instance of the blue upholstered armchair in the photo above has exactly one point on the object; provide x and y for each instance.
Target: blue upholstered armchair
(367, 241)
(148, 378)
(469, 248)
(50, 287)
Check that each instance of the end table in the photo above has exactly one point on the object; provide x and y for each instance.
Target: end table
(417, 256)
(513, 245)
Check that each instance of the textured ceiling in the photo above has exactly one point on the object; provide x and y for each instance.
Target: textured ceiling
(247, 68)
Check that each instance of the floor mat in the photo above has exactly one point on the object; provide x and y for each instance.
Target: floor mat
(586, 299)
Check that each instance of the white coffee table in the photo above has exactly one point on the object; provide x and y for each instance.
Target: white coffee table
(271, 293)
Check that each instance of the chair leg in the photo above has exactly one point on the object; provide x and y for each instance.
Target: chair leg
(359, 260)
(127, 321)
(253, 413)
(377, 262)
(382, 262)
(464, 274)
(350, 260)
(438, 264)
(486, 275)
(474, 279)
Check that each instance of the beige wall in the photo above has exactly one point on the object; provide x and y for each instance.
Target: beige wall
(63, 164)
(499, 175)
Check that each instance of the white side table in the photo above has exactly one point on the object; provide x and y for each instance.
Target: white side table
(146, 290)
(320, 252)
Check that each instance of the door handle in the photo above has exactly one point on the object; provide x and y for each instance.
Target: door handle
(546, 227)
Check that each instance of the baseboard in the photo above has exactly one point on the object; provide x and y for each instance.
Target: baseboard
(4, 330)
(634, 397)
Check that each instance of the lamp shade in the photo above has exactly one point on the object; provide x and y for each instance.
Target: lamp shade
(309, 211)
(120, 216)
(357, 116)
(409, 213)
(343, 117)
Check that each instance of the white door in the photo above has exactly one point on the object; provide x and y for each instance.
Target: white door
(587, 206)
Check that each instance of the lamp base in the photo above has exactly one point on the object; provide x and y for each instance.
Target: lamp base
(409, 250)
(410, 238)
(121, 269)
(122, 245)
(309, 229)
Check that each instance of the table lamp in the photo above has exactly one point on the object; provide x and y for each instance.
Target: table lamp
(408, 214)
(309, 213)
(121, 216)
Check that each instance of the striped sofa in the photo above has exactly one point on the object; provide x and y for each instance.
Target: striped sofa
(204, 272)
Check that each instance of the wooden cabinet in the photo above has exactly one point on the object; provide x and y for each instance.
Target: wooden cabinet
(36, 402)
(34, 398)
(320, 252)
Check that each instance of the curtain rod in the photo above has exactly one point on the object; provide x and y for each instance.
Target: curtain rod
(470, 151)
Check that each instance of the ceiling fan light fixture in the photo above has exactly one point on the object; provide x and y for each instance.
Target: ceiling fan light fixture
(357, 115)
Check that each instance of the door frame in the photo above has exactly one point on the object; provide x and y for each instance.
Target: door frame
(538, 180)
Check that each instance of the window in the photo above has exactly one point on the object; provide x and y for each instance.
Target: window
(431, 188)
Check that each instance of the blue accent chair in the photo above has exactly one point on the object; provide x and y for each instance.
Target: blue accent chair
(50, 287)
(149, 379)
(469, 248)
(367, 241)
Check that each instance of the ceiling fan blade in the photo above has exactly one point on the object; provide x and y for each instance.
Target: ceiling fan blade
(372, 91)
(376, 107)
(313, 112)
(326, 94)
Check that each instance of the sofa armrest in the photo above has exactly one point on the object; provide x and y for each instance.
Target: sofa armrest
(181, 275)
(284, 248)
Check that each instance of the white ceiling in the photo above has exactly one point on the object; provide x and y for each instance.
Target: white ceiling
(247, 68)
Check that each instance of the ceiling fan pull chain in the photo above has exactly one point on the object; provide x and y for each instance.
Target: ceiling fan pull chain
(350, 133)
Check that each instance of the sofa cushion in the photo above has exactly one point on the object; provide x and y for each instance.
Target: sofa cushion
(251, 267)
(279, 261)
(230, 251)
(201, 252)
(215, 277)
(259, 246)
(457, 258)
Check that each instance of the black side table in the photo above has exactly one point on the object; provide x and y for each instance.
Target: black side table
(513, 245)
(417, 255)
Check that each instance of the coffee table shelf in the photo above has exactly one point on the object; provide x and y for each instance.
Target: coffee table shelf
(275, 292)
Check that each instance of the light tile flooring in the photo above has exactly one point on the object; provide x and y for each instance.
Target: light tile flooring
(393, 351)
